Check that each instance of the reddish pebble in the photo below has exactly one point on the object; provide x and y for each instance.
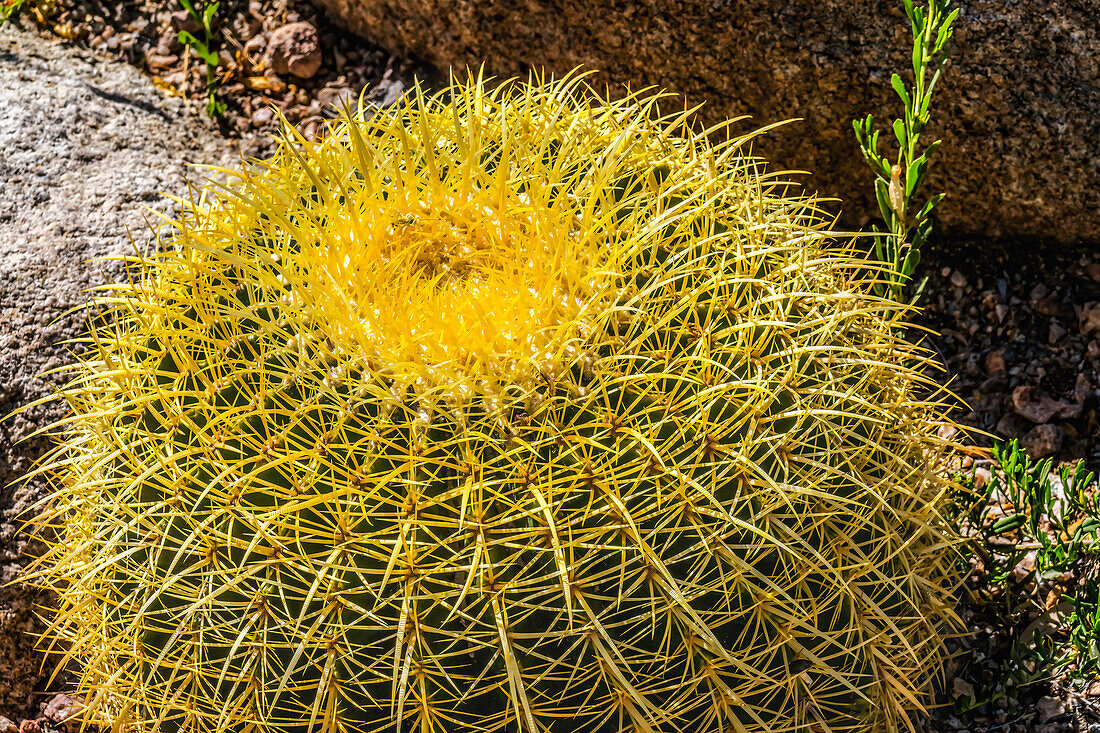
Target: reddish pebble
(295, 49)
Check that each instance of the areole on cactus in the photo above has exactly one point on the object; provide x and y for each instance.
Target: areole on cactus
(512, 410)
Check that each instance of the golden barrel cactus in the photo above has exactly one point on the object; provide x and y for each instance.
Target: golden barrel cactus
(513, 410)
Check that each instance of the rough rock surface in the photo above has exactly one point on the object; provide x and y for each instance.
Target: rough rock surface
(84, 146)
(1019, 112)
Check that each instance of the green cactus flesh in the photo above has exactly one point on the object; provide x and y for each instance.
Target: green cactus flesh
(511, 411)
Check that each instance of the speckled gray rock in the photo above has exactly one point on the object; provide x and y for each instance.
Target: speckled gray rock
(85, 144)
(1019, 113)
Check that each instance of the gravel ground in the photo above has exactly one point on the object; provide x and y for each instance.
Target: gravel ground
(274, 57)
(1019, 330)
(1018, 326)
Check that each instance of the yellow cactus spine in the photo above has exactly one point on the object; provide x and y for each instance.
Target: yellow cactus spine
(513, 410)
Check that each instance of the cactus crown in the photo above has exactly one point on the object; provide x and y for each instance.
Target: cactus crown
(437, 263)
(511, 411)
(468, 243)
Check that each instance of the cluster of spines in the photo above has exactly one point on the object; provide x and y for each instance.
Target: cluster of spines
(715, 513)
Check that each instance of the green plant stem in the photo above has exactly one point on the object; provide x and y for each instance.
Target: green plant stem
(204, 49)
(8, 8)
(896, 185)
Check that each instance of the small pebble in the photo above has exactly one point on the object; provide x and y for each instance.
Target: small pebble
(1043, 440)
(1009, 426)
(961, 689)
(160, 62)
(995, 363)
(1081, 388)
(295, 49)
(336, 96)
(262, 116)
(1024, 567)
(1056, 332)
(168, 44)
(181, 20)
(62, 707)
(246, 28)
(1038, 407)
(266, 83)
(1049, 708)
(255, 44)
(1089, 318)
(174, 78)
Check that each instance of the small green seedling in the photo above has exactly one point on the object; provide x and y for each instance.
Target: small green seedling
(205, 51)
(8, 8)
(897, 182)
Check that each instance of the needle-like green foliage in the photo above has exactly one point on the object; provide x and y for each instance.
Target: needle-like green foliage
(897, 184)
(517, 410)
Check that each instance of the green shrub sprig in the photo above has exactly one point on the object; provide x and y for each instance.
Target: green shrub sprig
(897, 182)
(1050, 603)
(8, 8)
